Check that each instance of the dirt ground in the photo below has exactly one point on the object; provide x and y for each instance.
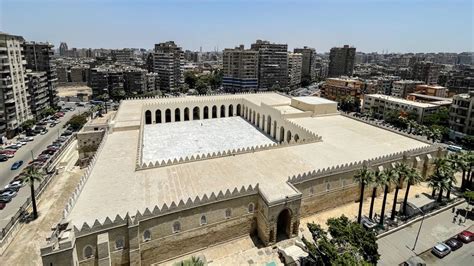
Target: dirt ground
(25, 247)
(69, 91)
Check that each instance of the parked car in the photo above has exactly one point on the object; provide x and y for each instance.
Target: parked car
(67, 133)
(16, 165)
(8, 193)
(2, 205)
(368, 223)
(3, 158)
(21, 143)
(53, 146)
(15, 184)
(466, 236)
(453, 243)
(441, 250)
(30, 133)
(5, 199)
(13, 147)
(29, 138)
(53, 125)
(43, 132)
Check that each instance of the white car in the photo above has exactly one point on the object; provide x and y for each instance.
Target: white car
(21, 142)
(29, 138)
(15, 184)
(8, 193)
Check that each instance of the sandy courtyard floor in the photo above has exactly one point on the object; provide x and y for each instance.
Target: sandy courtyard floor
(174, 140)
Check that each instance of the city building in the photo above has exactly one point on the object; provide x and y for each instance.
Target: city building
(123, 56)
(135, 81)
(168, 62)
(80, 73)
(442, 101)
(378, 105)
(63, 49)
(295, 63)
(308, 68)
(14, 107)
(385, 83)
(63, 74)
(38, 92)
(152, 82)
(427, 72)
(175, 190)
(338, 88)
(401, 88)
(272, 65)
(240, 69)
(341, 61)
(431, 90)
(39, 58)
(461, 115)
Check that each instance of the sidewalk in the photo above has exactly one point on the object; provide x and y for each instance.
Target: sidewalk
(397, 247)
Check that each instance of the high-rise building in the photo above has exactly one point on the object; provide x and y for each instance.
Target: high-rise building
(240, 69)
(461, 115)
(123, 56)
(427, 72)
(168, 62)
(308, 68)
(39, 92)
(14, 108)
(272, 65)
(341, 61)
(39, 57)
(63, 49)
(295, 63)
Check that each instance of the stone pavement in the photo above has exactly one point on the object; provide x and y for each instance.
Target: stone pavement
(397, 247)
(25, 247)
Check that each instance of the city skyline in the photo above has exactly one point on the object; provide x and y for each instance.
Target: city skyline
(370, 26)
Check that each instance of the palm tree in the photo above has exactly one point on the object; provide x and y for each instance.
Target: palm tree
(31, 176)
(363, 177)
(460, 163)
(377, 181)
(401, 169)
(387, 178)
(444, 172)
(470, 173)
(413, 177)
(434, 184)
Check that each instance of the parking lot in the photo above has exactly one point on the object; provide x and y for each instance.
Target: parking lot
(31, 149)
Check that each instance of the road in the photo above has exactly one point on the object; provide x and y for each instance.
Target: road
(24, 153)
(397, 247)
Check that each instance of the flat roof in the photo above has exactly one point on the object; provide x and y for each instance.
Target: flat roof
(313, 100)
(402, 101)
(126, 190)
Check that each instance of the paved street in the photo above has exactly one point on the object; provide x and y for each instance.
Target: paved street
(397, 247)
(24, 153)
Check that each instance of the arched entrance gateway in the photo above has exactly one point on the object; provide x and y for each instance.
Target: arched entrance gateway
(284, 225)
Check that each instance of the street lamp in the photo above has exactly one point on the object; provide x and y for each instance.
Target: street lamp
(419, 229)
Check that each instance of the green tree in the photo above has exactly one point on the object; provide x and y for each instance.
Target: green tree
(401, 169)
(190, 79)
(28, 124)
(32, 175)
(77, 121)
(362, 177)
(47, 112)
(201, 86)
(412, 177)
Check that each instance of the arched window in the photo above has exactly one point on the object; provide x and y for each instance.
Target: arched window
(196, 113)
(88, 252)
(222, 110)
(269, 125)
(297, 137)
(186, 114)
(176, 227)
(119, 243)
(206, 112)
(251, 207)
(203, 220)
(148, 117)
(214, 111)
(282, 134)
(147, 235)
(288, 136)
(158, 116)
(168, 115)
(231, 110)
(228, 213)
(258, 120)
(177, 115)
(239, 112)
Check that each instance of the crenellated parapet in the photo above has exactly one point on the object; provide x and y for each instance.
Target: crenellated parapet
(352, 166)
(165, 209)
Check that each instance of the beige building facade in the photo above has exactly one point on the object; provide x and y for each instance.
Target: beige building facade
(143, 213)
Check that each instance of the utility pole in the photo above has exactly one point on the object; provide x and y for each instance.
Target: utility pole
(419, 229)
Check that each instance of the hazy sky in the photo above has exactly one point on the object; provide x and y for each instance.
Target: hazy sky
(369, 25)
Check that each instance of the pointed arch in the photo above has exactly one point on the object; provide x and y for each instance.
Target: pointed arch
(196, 113)
(269, 125)
(167, 116)
(222, 111)
(231, 110)
(186, 114)
(177, 115)
(158, 116)
(206, 112)
(214, 111)
(148, 117)
(238, 110)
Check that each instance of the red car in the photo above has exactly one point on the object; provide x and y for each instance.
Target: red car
(466, 236)
(2, 205)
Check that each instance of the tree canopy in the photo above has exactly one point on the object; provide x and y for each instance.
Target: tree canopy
(77, 121)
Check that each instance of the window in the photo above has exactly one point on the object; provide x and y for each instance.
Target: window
(251, 207)
(88, 252)
(146, 235)
(228, 213)
(119, 243)
(203, 220)
(176, 227)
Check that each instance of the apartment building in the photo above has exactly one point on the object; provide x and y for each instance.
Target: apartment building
(341, 61)
(152, 82)
(135, 81)
(401, 88)
(295, 64)
(240, 69)
(14, 108)
(168, 62)
(308, 68)
(123, 56)
(79, 73)
(39, 58)
(338, 88)
(427, 72)
(431, 90)
(379, 105)
(272, 65)
(38, 91)
(461, 115)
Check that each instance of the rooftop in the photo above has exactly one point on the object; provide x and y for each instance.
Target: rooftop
(401, 101)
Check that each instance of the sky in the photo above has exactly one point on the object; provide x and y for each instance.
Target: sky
(368, 25)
